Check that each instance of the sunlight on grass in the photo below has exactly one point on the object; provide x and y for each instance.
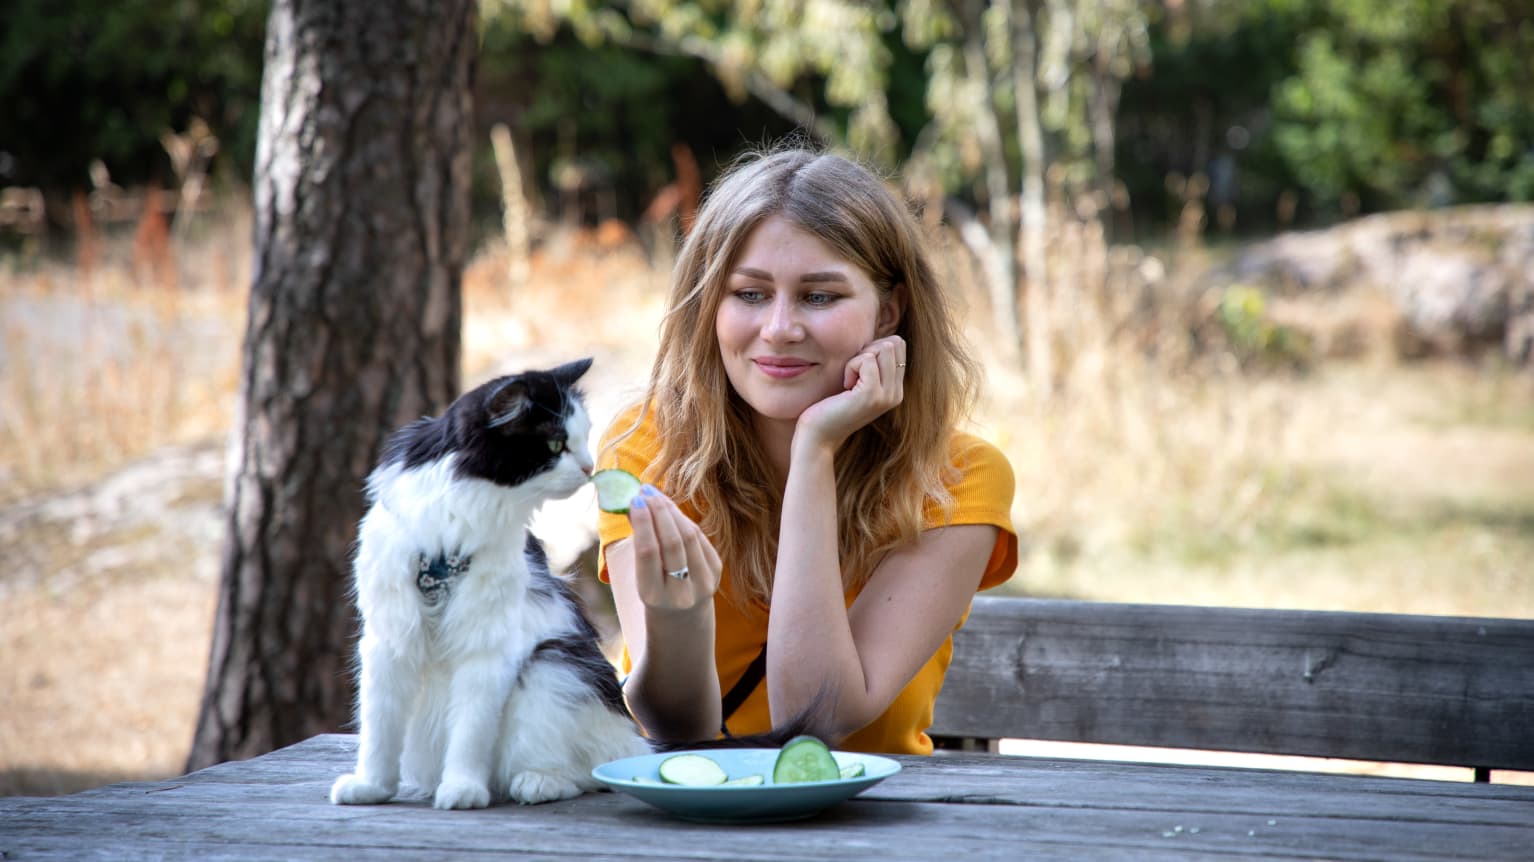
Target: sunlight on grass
(98, 369)
(1143, 455)
(1150, 470)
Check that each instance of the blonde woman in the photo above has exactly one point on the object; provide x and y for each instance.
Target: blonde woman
(813, 524)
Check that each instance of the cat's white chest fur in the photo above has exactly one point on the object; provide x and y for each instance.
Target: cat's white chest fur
(428, 514)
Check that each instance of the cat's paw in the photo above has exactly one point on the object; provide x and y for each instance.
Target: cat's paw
(461, 793)
(351, 789)
(531, 788)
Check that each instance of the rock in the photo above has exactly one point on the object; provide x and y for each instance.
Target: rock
(162, 511)
(1462, 279)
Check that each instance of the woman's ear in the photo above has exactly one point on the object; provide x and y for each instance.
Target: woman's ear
(891, 311)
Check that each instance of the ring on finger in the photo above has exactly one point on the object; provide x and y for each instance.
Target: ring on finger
(679, 574)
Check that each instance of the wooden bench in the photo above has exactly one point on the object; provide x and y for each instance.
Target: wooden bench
(1379, 687)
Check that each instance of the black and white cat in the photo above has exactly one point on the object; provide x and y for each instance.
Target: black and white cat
(481, 680)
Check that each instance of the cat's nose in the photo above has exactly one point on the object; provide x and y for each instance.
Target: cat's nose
(583, 461)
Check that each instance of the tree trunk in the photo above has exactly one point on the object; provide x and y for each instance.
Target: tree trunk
(1032, 227)
(1103, 108)
(1000, 262)
(361, 222)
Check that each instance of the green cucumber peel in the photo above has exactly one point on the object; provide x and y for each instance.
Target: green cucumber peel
(805, 758)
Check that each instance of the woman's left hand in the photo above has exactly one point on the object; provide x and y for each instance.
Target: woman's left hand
(874, 383)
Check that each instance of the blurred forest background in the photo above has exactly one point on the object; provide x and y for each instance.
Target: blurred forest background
(1253, 281)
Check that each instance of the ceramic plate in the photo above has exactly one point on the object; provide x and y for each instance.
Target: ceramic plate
(763, 803)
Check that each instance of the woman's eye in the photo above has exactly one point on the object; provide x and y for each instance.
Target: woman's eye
(556, 446)
(820, 298)
(750, 296)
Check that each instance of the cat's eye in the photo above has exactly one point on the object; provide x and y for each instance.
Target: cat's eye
(556, 446)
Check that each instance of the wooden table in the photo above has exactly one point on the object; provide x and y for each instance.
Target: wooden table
(950, 807)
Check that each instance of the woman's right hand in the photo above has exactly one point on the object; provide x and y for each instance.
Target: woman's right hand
(666, 542)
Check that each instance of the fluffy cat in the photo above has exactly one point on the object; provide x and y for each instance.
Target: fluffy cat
(481, 680)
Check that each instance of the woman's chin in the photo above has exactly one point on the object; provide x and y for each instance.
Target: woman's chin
(779, 410)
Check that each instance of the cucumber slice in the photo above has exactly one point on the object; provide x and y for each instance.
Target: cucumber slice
(615, 488)
(745, 781)
(852, 770)
(804, 758)
(693, 770)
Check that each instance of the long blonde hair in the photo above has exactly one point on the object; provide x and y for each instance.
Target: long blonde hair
(888, 471)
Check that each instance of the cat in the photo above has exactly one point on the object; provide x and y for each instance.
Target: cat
(480, 678)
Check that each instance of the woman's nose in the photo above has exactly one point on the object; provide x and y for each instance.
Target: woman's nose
(782, 323)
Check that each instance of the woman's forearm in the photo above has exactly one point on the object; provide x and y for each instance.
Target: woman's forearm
(812, 659)
(673, 688)
(664, 583)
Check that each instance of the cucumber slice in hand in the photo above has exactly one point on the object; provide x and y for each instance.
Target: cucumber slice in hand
(693, 770)
(615, 488)
(805, 758)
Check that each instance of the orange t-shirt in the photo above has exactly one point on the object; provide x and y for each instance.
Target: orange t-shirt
(982, 495)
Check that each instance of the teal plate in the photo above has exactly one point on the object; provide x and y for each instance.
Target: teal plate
(761, 803)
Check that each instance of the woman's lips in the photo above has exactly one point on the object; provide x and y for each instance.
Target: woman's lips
(782, 369)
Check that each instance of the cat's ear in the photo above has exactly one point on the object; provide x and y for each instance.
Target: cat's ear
(507, 403)
(570, 372)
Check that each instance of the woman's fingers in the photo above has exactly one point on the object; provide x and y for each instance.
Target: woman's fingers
(666, 541)
(881, 362)
(891, 356)
(668, 533)
(646, 546)
(702, 560)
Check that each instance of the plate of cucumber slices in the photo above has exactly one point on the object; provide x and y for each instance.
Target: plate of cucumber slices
(747, 785)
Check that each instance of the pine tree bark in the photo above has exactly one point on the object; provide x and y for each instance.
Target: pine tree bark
(361, 225)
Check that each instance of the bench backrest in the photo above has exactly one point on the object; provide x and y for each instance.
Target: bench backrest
(1411, 689)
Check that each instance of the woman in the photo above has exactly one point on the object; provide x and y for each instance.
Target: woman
(818, 506)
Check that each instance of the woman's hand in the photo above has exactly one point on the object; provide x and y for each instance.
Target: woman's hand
(873, 384)
(675, 566)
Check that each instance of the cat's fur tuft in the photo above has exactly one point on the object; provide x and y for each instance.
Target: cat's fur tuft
(480, 679)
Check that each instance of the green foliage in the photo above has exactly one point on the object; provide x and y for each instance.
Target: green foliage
(1382, 102)
(82, 80)
(773, 49)
(1418, 102)
(1253, 337)
(610, 111)
(1373, 104)
(1206, 103)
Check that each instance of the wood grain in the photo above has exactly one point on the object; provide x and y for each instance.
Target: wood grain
(972, 807)
(1413, 689)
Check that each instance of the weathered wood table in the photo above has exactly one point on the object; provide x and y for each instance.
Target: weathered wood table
(950, 807)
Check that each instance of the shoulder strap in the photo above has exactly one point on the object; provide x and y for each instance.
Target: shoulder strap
(743, 687)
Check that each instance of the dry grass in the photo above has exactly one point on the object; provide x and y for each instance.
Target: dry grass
(104, 681)
(112, 366)
(1287, 493)
(1147, 473)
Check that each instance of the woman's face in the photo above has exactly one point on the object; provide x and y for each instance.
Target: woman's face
(792, 315)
